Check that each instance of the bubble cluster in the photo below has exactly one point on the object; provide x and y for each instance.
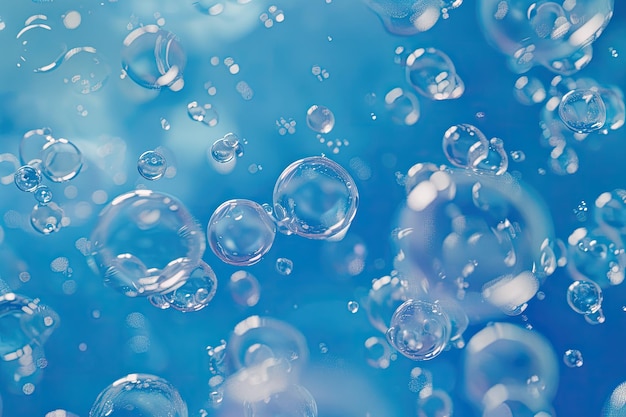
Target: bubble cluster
(197, 291)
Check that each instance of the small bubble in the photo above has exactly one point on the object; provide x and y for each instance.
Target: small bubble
(60, 264)
(541, 296)
(28, 388)
(613, 52)
(43, 194)
(225, 149)
(27, 178)
(151, 165)
(320, 119)
(284, 266)
(573, 358)
(165, 125)
(581, 211)
(205, 114)
(353, 306)
(82, 347)
(323, 348)
(518, 156)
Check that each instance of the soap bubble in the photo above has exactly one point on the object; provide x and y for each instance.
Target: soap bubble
(495, 160)
(419, 330)
(406, 17)
(197, 291)
(46, 218)
(573, 358)
(225, 149)
(584, 297)
(465, 145)
(615, 405)
(85, 70)
(240, 232)
(284, 266)
(31, 145)
(40, 50)
(151, 165)
(437, 403)
(582, 111)
(529, 91)
(27, 178)
(244, 288)
(432, 74)
(610, 210)
(320, 119)
(315, 198)
(61, 160)
(153, 58)
(205, 114)
(377, 352)
(293, 401)
(43, 194)
(613, 99)
(145, 242)
(139, 395)
(595, 255)
(403, 107)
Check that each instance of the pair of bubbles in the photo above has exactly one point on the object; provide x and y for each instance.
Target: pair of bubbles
(466, 146)
(411, 17)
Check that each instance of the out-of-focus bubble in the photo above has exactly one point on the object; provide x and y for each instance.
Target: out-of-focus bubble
(584, 297)
(225, 149)
(60, 413)
(32, 143)
(437, 403)
(432, 74)
(151, 165)
(403, 107)
(419, 330)
(43, 194)
(240, 232)
(613, 99)
(85, 70)
(294, 401)
(145, 242)
(46, 218)
(377, 352)
(384, 298)
(407, 17)
(508, 356)
(197, 291)
(573, 358)
(139, 395)
(40, 50)
(345, 258)
(582, 111)
(320, 119)
(458, 321)
(284, 266)
(564, 160)
(529, 91)
(153, 58)
(353, 306)
(27, 178)
(465, 145)
(8, 165)
(506, 400)
(596, 256)
(496, 160)
(61, 160)
(610, 210)
(315, 198)
(210, 7)
(244, 288)
(615, 405)
(557, 36)
(419, 380)
(205, 114)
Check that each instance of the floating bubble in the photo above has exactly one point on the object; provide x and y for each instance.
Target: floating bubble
(61, 160)
(384, 298)
(403, 107)
(465, 145)
(320, 119)
(584, 297)
(240, 232)
(244, 288)
(145, 242)
(610, 210)
(210, 7)
(40, 50)
(613, 99)
(43, 194)
(594, 255)
(153, 58)
(432, 74)
(496, 160)
(139, 395)
(151, 165)
(377, 352)
(197, 291)
(284, 266)
(294, 401)
(31, 145)
(573, 358)
(85, 70)
(437, 403)
(8, 165)
(225, 149)
(353, 306)
(419, 330)
(315, 198)
(615, 405)
(46, 218)
(205, 113)
(420, 379)
(529, 91)
(406, 18)
(582, 111)
(27, 178)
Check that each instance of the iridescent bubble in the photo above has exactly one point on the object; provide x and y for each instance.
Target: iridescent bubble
(244, 288)
(408, 17)
(284, 266)
(85, 70)
(465, 145)
(225, 149)
(596, 255)
(145, 242)
(139, 395)
(153, 58)
(315, 198)
(197, 291)
(293, 401)
(31, 145)
(43, 194)
(61, 160)
(582, 111)
(320, 119)
(584, 297)
(437, 403)
(573, 358)
(46, 218)
(151, 165)
(40, 50)
(419, 330)
(432, 74)
(27, 178)
(529, 91)
(403, 107)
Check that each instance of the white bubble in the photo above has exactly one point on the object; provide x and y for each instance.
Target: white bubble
(320, 119)
(294, 401)
(403, 107)
(582, 111)
(353, 306)
(197, 291)
(529, 91)
(244, 288)
(72, 19)
(465, 145)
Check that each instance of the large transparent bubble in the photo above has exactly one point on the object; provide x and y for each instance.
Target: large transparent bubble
(557, 35)
(145, 242)
(139, 395)
(474, 237)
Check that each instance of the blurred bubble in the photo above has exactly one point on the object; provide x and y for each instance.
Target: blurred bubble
(43, 194)
(495, 161)
(85, 70)
(420, 379)
(46, 218)
(8, 165)
(419, 330)
(403, 107)
(145, 242)
(40, 50)
(432, 74)
(31, 145)
(437, 404)
(294, 401)
(465, 145)
(385, 296)
(244, 288)
(584, 297)
(353, 306)
(613, 99)
(582, 111)
(320, 119)
(27, 178)
(345, 258)
(225, 149)
(408, 17)
(377, 352)
(240, 232)
(564, 160)
(197, 291)
(573, 358)
(315, 198)
(615, 405)
(139, 395)
(529, 91)
(610, 210)
(60, 413)
(205, 114)
(61, 160)
(151, 165)
(594, 255)
(511, 400)
(284, 266)
(458, 321)
(210, 7)
(153, 58)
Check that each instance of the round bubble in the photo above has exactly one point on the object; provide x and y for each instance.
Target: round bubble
(197, 291)
(240, 232)
(465, 145)
(46, 218)
(320, 119)
(582, 111)
(225, 149)
(495, 161)
(31, 145)
(315, 198)
(43, 194)
(610, 210)
(432, 74)
(293, 401)
(384, 297)
(596, 255)
(438, 403)
(529, 91)
(408, 17)
(153, 58)
(419, 330)
(377, 352)
(244, 288)
(506, 355)
(205, 114)
(573, 358)
(613, 99)
(85, 70)
(27, 178)
(151, 165)
(145, 242)
(40, 50)
(139, 395)
(615, 406)
(516, 401)
(402, 106)
(284, 266)
(61, 160)
(584, 297)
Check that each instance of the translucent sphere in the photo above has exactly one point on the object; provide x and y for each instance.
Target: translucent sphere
(584, 297)
(402, 106)
(145, 242)
(85, 70)
(43, 194)
(284, 266)
(438, 403)
(320, 119)
(582, 111)
(407, 17)
(46, 218)
(465, 145)
(573, 358)
(240, 232)
(419, 330)
(61, 160)
(205, 114)
(153, 58)
(151, 165)
(197, 291)
(293, 401)
(597, 256)
(315, 198)
(614, 406)
(244, 288)
(432, 74)
(139, 395)
(27, 178)
(31, 145)
(529, 91)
